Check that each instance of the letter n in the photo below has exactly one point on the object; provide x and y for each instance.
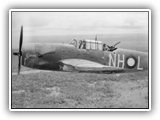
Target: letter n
(112, 60)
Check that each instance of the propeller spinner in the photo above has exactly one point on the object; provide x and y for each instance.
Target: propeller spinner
(19, 53)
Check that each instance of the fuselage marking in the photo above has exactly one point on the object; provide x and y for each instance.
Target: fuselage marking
(126, 61)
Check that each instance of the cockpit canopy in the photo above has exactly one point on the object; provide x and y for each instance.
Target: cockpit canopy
(87, 44)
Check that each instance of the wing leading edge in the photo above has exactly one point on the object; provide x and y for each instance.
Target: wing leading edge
(86, 66)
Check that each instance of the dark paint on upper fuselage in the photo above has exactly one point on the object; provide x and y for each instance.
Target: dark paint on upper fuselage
(47, 56)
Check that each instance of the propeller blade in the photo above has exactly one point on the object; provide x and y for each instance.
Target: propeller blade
(21, 40)
(19, 65)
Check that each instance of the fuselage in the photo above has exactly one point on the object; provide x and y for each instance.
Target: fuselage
(48, 56)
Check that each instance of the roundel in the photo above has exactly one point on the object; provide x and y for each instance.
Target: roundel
(131, 62)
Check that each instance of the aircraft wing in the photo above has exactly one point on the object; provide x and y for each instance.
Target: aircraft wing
(86, 66)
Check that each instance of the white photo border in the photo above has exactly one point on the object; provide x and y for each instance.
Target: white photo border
(79, 10)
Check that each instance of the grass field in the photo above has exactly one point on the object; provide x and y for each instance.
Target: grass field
(53, 89)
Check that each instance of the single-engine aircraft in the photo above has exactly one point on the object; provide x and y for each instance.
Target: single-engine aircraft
(83, 56)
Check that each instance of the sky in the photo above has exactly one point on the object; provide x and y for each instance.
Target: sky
(77, 23)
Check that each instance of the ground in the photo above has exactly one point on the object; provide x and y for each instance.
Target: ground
(55, 89)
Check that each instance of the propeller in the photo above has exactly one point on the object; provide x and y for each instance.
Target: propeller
(19, 53)
(113, 47)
